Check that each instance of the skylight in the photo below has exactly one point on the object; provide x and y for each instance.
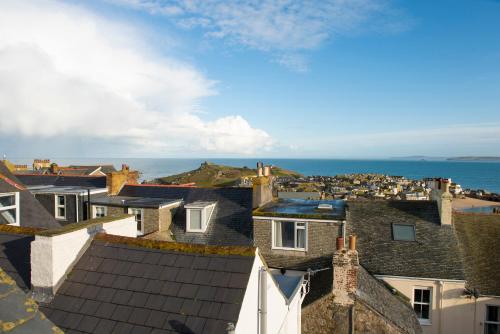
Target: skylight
(403, 232)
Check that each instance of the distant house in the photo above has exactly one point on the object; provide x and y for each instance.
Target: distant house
(312, 195)
(18, 207)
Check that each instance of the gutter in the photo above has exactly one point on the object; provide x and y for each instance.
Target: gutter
(420, 278)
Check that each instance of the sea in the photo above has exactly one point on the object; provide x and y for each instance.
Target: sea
(473, 175)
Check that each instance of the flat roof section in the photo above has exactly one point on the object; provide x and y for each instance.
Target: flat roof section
(300, 208)
(134, 202)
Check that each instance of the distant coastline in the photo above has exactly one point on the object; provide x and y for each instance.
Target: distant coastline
(474, 159)
(464, 158)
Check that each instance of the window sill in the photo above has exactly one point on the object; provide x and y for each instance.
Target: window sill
(290, 249)
(425, 322)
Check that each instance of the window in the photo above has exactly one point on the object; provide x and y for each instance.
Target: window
(422, 304)
(492, 323)
(60, 207)
(402, 232)
(100, 211)
(9, 209)
(138, 213)
(198, 216)
(289, 235)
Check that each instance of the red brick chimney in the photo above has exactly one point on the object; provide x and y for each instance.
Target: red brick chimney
(345, 272)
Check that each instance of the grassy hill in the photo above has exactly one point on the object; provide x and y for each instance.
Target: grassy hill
(212, 175)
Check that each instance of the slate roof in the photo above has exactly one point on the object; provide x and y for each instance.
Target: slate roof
(19, 313)
(32, 213)
(434, 254)
(479, 236)
(120, 288)
(63, 180)
(231, 223)
(15, 251)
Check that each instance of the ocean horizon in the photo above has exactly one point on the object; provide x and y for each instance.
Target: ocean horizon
(469, 174)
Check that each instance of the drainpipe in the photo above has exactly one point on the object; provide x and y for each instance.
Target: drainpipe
(441, 289)
(262, 301)
(76, 205)
(88, 205)
(351, 319)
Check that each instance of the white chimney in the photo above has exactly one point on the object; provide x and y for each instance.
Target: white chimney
(54, 252)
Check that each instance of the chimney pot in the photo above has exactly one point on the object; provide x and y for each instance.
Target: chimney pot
(259, 172)
(340, 243)
(267, 171)
(352, 242)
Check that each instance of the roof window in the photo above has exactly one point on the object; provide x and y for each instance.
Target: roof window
(402, 232)
(198, 215)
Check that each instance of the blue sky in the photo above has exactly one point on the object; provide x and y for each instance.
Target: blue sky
(343, 79)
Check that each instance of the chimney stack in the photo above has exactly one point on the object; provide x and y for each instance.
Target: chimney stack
(345, 272)
(116, 180)
(262, 187)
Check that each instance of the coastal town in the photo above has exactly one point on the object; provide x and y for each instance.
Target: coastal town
(98, 251)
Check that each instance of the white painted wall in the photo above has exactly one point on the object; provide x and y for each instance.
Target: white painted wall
(454, 313)
(51, 256)
(282, 318)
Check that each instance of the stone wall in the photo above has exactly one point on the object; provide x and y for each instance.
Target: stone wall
(151, 220)
(325, 317)
(165, 219)
(321, 238)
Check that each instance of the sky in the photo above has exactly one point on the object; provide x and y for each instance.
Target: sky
(245, 78)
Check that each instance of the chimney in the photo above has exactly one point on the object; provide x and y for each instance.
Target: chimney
(262, 191)
(345, 272)
(116, 180)
(444, 202)
(55, 252)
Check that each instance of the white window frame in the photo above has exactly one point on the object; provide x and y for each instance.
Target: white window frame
(15, 206)
(486, 321)
(94, 210)
(305, 227)
(131, 212)
(57, 206)
(206, 214)
(413, 302)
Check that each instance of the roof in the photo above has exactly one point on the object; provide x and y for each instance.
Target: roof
(104, 168)
(479, 236)
(65, 190)
(301, 208)
(434, 254)
(134, 202)
(15, 248)
(18, 312)
(126, 288)
(63, 180)
(32, 213)
(231, 222)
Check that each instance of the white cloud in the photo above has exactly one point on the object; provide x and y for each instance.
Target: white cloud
(65, 71)
(277, 26)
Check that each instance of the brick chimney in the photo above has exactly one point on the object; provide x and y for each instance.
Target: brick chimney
(345, 272)
(116, 180)
(262, 188)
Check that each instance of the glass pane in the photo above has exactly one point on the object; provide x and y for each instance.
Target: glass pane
(60, 200)
(8, 216)
(493, 313)
(492, 329)
(7, 200)
(61, 212)
(195, 219)
(418, 310)
(426, 294)
(425, 312)
(418, 295)
(301, 238)
(403, 232)
(288, 234)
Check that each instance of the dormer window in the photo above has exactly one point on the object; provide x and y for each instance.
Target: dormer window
(198, 216)
(9, 208)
